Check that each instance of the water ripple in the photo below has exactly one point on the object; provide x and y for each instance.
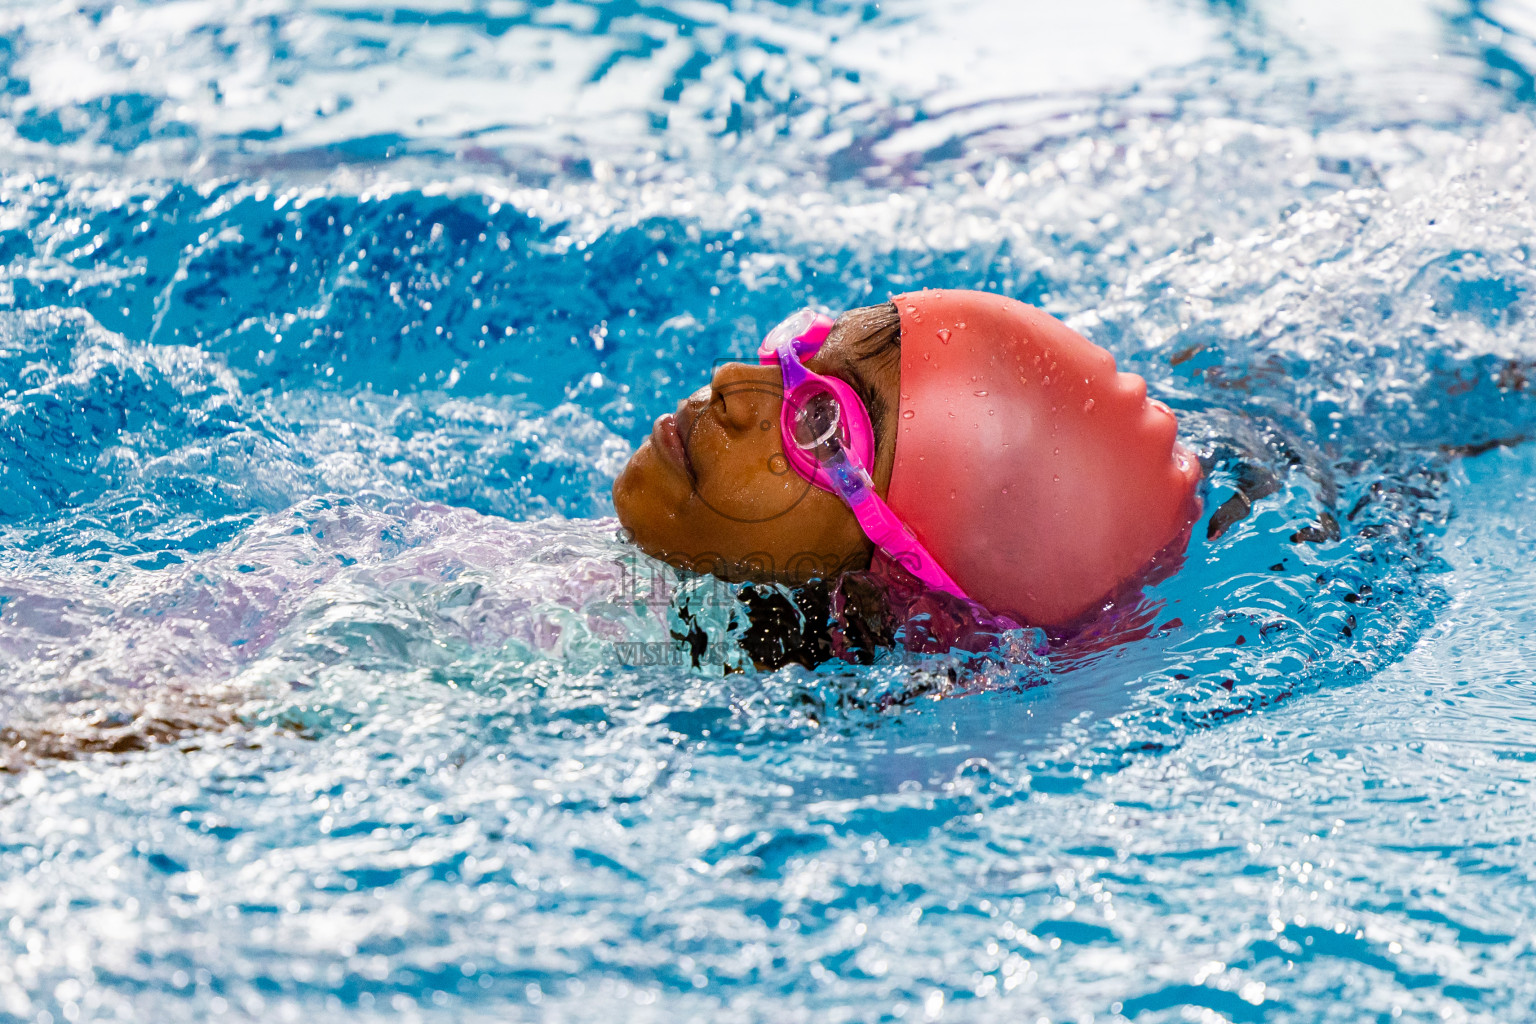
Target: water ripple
(326, 688)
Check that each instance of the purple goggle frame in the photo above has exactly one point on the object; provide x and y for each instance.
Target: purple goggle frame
(829, 442)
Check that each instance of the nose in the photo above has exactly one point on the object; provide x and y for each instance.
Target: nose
(749, 396)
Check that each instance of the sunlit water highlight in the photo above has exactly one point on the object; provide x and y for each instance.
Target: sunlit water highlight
(326, 327)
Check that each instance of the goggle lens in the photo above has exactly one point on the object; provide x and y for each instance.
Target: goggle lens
(817, 420)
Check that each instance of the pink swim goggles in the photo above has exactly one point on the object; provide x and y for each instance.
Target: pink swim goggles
(829, 442)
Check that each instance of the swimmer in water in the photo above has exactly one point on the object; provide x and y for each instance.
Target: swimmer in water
(961, 441)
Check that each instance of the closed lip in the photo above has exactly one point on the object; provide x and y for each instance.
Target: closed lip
(669, 434)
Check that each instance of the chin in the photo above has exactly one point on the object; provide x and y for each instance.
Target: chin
(640, 499)
(627, 488)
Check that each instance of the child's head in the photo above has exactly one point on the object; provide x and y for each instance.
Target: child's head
(1037, 477)
(711, 489)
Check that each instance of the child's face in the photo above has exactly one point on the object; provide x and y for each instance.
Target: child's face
(711, 491)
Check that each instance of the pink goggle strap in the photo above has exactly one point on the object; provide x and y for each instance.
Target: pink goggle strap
(843, 471)
(895, 538)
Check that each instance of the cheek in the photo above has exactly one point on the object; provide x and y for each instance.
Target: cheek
(752, 488)
(753, 493)
(749, 504)
(744, 477)
(775, 508)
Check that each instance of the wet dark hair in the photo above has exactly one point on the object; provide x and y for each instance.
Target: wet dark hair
(875, 338)
(855, 615)
(845, 617)
(877, 331)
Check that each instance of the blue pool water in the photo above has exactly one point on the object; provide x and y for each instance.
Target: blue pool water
(330, 690)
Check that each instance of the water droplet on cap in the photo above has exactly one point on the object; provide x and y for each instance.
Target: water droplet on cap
(980, 394)
(944, 335)
(1045, 382)
(1088, 406)
(1056, 478)
(908, 414)
(960, 326)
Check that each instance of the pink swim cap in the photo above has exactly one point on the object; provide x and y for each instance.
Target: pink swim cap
(1038, 476)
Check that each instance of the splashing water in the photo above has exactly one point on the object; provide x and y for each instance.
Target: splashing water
(330, 688)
